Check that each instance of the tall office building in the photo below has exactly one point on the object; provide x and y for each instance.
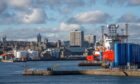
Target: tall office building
(39, 38)
(76, 38)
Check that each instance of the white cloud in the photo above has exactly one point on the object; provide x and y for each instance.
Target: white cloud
(90, 17)
(36, 16)
(129, 18)
(68, 27)
(20, 3)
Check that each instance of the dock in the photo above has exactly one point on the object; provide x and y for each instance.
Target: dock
(100, 72)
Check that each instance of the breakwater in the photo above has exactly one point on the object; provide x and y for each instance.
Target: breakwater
(84, 72)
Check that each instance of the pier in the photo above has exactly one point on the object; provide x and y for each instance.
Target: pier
(100, 72)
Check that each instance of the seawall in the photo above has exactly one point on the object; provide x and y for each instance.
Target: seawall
(85, 72)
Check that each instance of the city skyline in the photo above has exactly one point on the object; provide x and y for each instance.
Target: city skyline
(54, 19)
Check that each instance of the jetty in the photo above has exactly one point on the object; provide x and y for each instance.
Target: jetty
(100, 72)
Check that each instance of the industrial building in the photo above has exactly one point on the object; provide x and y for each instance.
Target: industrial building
(118, 52)
(113, 36)
(23, 55)
(127, 55)
(51, 54)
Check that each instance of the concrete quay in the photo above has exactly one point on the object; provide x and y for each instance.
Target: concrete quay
(107, 72)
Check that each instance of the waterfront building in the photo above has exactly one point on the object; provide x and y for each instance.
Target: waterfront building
(76, 38)
(90, 39)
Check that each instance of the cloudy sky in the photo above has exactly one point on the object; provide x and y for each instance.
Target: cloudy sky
(54, 19)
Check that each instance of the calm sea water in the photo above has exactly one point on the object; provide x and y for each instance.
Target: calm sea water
(11, 73)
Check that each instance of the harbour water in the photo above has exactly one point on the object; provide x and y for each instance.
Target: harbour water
(11, 73)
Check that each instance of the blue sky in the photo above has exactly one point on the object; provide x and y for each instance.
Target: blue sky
(54, 19)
